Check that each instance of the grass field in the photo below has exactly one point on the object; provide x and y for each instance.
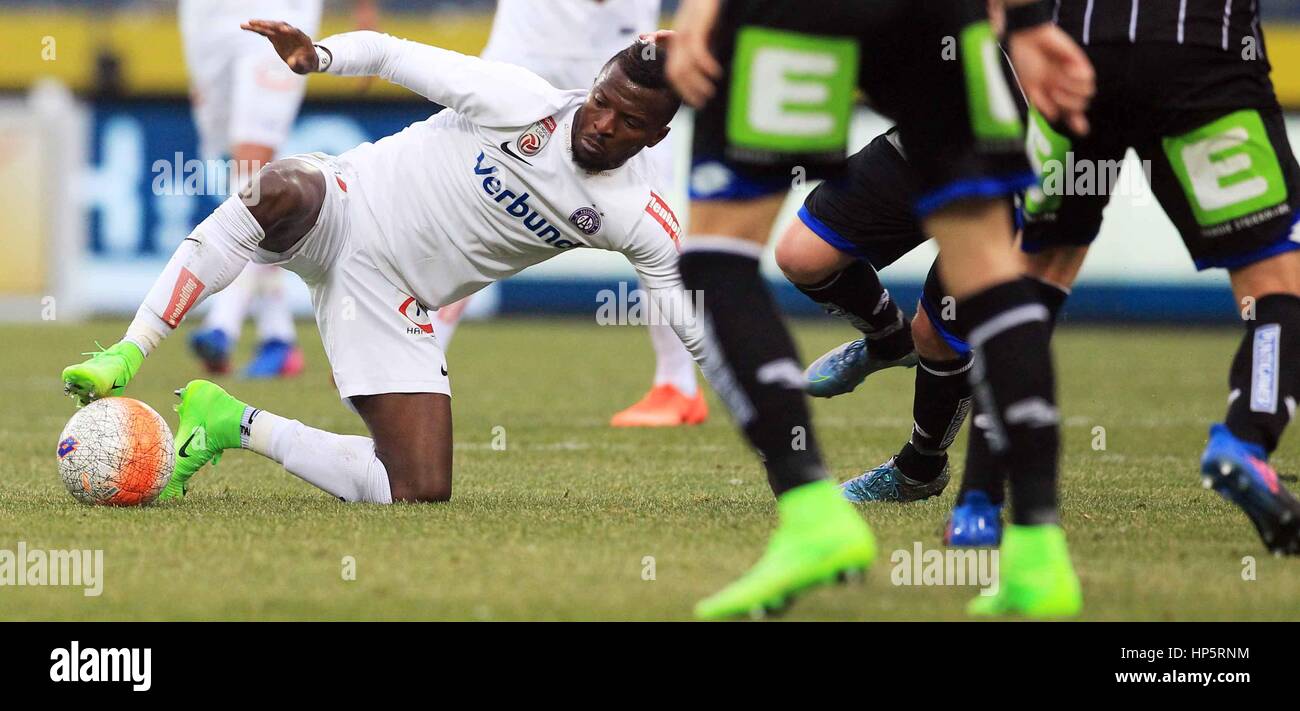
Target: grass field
(557, 525)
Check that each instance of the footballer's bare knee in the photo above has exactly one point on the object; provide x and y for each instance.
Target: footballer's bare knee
(806, 259)
(929, 343)
(1279, 274)
(417, 472)
(285, 198)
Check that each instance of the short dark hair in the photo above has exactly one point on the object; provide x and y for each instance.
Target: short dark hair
(644, 63)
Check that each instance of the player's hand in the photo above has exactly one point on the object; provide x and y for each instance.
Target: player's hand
(291, 43)
(1055, 73)
(663, 38)
(692, 69)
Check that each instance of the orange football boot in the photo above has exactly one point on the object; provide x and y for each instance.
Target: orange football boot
(664, 406)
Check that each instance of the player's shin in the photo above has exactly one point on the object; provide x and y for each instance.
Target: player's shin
(206, 262)
(1012, 380)
(983, 472)
(673, 363)
(939, 407)
(1265, 374)
(757, 370)
(857, 296)
(344, 466)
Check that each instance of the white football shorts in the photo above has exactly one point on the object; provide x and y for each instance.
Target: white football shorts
(378, 338)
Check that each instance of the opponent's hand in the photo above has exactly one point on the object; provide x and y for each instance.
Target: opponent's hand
(663, 38)
(692, 69)
(291, 43)
(1055, 73)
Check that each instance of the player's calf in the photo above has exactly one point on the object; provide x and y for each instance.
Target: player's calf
(412, 439)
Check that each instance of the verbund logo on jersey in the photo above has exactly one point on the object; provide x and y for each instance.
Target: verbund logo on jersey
(518, 208)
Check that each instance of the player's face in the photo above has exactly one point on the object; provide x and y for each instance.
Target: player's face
(618, 119)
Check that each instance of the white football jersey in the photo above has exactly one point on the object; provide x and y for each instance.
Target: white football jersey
(488, 187)
(567, 41)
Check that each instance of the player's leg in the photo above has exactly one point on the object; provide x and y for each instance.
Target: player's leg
(940, 402)
(392, 374)
(278, 353)
(406, 458)
(265, 99)
(756, 373)
(675, 397)
(742, 169)
(970, 160)
(214, 341)
(846, 230)
(273, 213)
(1235, 207)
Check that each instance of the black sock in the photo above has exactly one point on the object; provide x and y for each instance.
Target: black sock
(983, 471)
(939, 407)
(754, 367)
(1013, 382)
(857, 296)
(1264, 377)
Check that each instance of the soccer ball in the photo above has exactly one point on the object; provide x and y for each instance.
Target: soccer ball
(117, 452)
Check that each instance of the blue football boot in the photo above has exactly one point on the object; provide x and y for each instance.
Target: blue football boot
(1240, 472)
(212, 346)
(976, 522)
(842, 369)
(275, 359)
(888, 483)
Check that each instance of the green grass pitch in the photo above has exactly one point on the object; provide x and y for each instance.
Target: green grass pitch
(561, 524)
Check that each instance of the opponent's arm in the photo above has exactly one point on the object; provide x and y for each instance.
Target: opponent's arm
(489, 93)
(1053, 70)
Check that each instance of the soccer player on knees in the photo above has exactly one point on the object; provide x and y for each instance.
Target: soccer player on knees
(512, 173)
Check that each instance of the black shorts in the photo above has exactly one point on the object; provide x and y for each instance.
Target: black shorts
(792, 70)
(867, 214)
(1212, 141)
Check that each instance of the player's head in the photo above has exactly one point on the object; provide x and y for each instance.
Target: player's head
(628, 109)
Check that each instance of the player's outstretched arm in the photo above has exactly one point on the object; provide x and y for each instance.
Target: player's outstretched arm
(651, 248)
(292, 44)
(492, 94)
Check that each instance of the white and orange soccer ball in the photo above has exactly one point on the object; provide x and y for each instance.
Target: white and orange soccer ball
(116, 452)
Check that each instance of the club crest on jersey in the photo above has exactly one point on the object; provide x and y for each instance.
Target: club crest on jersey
(532, 141)
(586, 219)
(416, 314)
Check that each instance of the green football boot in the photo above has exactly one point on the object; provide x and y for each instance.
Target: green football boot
(106, 373)
(820, 539)
(1036, 578)
(209, 425)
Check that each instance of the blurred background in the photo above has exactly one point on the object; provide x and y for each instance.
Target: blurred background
(93, 106)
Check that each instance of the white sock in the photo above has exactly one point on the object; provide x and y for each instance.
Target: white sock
(445, 321)
(205, 263)
(274, 318)
(342, 465)
(673, 363)
(226, 311)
